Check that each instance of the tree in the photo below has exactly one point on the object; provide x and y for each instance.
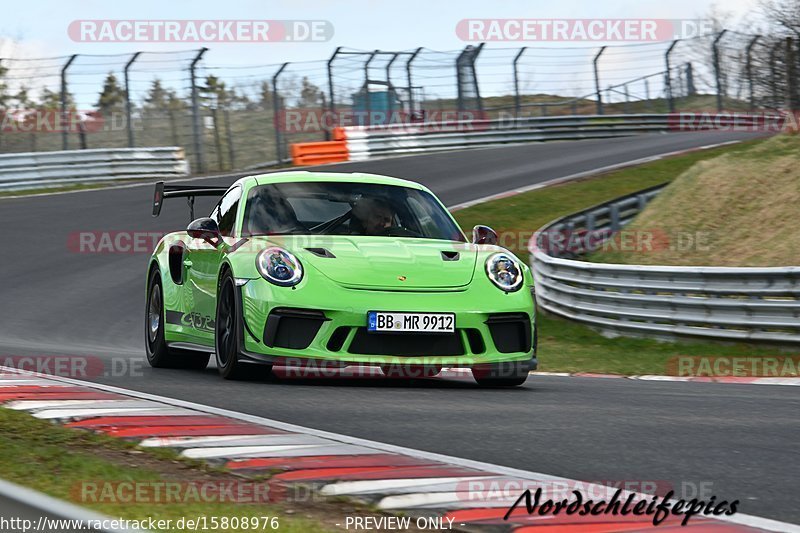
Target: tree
(4, 95)
(310, 94)
(215, 93)
(783, 16)
(112, 97)
(157, 97)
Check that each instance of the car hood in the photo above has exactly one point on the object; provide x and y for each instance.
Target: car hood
(386, 262)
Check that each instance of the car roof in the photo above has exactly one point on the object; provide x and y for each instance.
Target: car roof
(345, 177)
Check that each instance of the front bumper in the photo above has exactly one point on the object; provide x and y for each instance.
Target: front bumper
(321, 321)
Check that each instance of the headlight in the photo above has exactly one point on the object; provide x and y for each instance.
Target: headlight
(280, 267)
(504, 272)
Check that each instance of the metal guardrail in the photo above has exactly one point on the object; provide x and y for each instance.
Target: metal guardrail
(737, 304)
(364, 142)
(51, 169)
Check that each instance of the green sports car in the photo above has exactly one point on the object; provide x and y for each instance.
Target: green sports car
(318, 269)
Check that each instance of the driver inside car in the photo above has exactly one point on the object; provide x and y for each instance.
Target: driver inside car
(371, 216)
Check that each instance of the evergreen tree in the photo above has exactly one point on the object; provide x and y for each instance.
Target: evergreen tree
(112, 97)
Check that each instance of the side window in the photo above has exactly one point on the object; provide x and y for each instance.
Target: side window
(225, 212)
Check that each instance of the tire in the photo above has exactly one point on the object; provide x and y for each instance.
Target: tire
(509, 374)
(159, 355)
(227, 335)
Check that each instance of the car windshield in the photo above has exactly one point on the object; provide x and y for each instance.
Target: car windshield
(336, 208)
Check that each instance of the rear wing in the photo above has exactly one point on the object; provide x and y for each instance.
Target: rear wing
(163, 192)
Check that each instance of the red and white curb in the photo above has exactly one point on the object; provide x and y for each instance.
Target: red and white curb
(393, 478)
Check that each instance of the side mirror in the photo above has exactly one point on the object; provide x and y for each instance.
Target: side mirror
(206, 229)
(483, 235)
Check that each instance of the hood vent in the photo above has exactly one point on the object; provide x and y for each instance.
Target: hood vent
(321, 252)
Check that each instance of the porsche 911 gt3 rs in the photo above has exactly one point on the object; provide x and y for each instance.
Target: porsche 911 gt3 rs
(317, 268)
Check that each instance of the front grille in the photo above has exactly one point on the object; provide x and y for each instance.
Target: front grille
(292, 328)
(405, 344)
(511, 332)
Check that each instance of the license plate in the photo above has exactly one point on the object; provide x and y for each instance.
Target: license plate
(411, 322)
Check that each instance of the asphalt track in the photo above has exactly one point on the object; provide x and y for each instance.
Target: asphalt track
(733, 441)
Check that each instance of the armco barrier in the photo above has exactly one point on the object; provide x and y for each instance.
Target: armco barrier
(51, 169)
(319, 152)
(737, 304)
(364, 142)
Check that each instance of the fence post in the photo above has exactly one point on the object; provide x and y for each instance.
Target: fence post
(791, 77)
(197, 132)
(473, 58)
(668, 77)
(367, 98)
(774, 74)
(690, 88)
(64, 117)
(516, 81)
(749, 70)
(717, 73)
(231, 151)
(331, 104)
(414, 55)
(390, 88)
(276, 108)
(128, 122)
(627, 99)
(597, 81)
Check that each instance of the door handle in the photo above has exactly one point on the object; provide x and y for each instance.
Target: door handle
(187, 263)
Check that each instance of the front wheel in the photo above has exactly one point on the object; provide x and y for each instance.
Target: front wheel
(227, 328)
(159, 355)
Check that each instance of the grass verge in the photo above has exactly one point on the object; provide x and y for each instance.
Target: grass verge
(566, 346)
(733, 210)
(82, 467)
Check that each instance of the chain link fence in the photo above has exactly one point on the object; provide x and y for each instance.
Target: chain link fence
(239, 117)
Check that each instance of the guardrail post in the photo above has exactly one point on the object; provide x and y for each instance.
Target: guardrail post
(197, 132)
(749, 70)
(64, 118)
(516, 81)
(642, 199)
(717, 73)
(597, 81)
(668, 77)
(129, 123)
(613, 211)
(276, 109)
(408, 78)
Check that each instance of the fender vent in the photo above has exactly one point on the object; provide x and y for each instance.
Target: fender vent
(450, 256)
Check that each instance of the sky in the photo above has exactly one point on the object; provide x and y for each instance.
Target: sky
(39, 28)
(36, 29)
